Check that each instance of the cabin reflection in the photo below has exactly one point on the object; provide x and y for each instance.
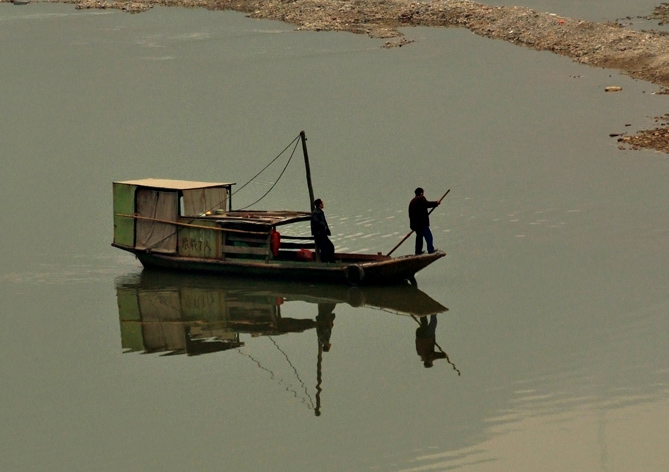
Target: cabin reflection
(185, 314)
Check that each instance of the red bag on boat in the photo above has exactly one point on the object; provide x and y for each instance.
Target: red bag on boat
(305, 255)
(275, 242)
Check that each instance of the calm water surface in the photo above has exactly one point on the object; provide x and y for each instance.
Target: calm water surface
(555, 281)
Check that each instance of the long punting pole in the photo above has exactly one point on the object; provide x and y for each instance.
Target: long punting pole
(411, 232)
(306, 165)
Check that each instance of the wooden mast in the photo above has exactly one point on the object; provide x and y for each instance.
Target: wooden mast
(308, 169)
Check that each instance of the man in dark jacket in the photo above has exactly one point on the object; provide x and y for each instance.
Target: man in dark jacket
(321, 231)
(419, 220)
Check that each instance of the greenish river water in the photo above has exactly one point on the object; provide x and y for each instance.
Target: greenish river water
(555, 280)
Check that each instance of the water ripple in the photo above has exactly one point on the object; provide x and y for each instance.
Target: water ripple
(71, 270)
(449, 460)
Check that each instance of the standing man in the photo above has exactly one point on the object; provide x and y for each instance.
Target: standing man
(321, 231)
(419, 220)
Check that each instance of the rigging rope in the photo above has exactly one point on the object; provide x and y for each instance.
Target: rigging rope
(295, 141)
(277, 180)
(297, 375)
(288, 387)
(273, 376)
(271, 162)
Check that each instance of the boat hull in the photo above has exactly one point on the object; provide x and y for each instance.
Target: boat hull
(388, 271)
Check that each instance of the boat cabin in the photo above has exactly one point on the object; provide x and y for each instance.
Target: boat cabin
(196, 220)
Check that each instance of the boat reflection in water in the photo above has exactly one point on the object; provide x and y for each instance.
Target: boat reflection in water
(182, 314)
(176, 313)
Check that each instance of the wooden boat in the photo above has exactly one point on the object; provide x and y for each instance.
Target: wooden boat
(191, 226)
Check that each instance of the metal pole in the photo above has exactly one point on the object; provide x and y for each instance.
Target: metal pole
(308, 169)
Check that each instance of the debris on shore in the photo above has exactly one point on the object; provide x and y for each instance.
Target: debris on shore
(129, 7)
(657, 139)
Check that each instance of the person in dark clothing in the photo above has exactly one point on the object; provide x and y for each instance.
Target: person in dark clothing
(419, 220)
(320, 230)
(426, 341)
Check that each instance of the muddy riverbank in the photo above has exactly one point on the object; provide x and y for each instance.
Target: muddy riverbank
(641, 55)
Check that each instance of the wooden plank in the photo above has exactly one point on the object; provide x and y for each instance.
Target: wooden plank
(262, 251)
(260, 239)
(344, 257)
(297, 238)
(305, 245)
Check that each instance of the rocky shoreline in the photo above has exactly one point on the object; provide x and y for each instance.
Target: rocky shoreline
(641, 55)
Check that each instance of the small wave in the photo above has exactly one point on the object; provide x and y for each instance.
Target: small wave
(160, 58)
(48, 16)
(198, 36)
(429, 460)
(58, 273)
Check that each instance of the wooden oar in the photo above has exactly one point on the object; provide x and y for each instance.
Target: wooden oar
(411, 232)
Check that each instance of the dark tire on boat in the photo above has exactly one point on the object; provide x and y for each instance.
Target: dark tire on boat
(354, 274)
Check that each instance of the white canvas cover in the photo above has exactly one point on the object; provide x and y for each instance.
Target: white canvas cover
(154, 235)
(168, 184)
(197, 201)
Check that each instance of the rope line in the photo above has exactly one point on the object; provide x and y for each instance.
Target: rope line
(297, 375)
(287, 387)
(271, 162)
(277, 180)
(295, 141)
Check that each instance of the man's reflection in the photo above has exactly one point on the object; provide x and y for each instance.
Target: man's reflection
(426, 341)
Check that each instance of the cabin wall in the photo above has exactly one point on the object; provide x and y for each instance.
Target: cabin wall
(212, 244)
(124, 204)
(197, 242)
(200, 200)
(156, 210)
